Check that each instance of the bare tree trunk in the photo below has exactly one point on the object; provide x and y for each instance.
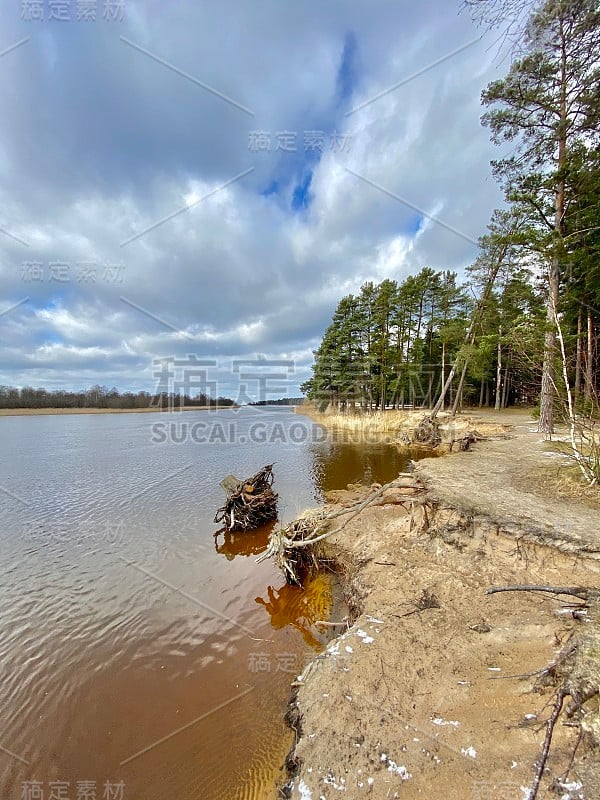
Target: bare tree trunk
(499, 372)
(578, 353)
(470, 336)
(589, 366)
(546, 421)
(443, 371)
(506, 386)
(459, 391)
(481, 391)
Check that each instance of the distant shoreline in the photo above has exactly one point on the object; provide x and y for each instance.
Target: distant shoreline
(30, 412)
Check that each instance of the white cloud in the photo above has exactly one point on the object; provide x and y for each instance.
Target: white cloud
(100, 143)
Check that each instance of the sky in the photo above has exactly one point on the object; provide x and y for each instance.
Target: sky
(197, 184)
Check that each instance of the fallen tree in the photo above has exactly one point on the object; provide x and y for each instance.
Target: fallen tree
(250, 503)
(293, 547)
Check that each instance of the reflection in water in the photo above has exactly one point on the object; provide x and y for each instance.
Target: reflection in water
(301, 608)
(243, 543)
(337, 463)
(120, 627)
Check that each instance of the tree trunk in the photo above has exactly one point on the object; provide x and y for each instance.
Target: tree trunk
(459, 391)
(470, 336)
(578, 353)
(443, 370)
(546, 422)
(589, 366)
(505, 388)
(499, 372)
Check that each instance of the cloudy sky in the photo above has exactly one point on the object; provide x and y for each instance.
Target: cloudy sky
(209, 178)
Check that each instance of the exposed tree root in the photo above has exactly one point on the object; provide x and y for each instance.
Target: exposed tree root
(557, 708)
(250, 503)
(576, 671)
(293, 546)
(582, 592)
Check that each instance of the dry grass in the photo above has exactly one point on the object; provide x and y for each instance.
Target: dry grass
(565, 481)
(383, 422)
(398, 426)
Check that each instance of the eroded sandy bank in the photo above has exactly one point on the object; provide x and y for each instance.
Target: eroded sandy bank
(414, 699)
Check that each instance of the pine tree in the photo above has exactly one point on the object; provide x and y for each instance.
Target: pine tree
(548, 106)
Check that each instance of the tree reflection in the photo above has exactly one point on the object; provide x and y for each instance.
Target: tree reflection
(243, 543)
(300, 608)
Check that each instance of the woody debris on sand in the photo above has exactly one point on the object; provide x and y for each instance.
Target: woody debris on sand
(250, 503)
(292, 547)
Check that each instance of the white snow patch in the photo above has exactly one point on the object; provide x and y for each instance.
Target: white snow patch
(364, 636)
(440, 721)
(469, 751)
(305, 793)
(399, 769)
(514, 764)
(348, 649)
(373, 619)
(574, 786)
(370, 781)
(330, 781)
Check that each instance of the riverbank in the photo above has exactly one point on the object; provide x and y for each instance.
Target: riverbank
(414, 698)
(401, 426)
(27, 412)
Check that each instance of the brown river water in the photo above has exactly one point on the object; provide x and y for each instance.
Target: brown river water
(140, 656)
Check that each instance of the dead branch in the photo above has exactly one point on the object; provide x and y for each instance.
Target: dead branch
(582, 592)
(558, 704)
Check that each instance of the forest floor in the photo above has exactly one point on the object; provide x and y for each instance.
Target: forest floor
(415, 698)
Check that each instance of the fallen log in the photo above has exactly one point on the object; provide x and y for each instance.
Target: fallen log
(250, 503)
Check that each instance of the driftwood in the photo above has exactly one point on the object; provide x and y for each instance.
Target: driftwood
(293, 546)
(250, 503)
